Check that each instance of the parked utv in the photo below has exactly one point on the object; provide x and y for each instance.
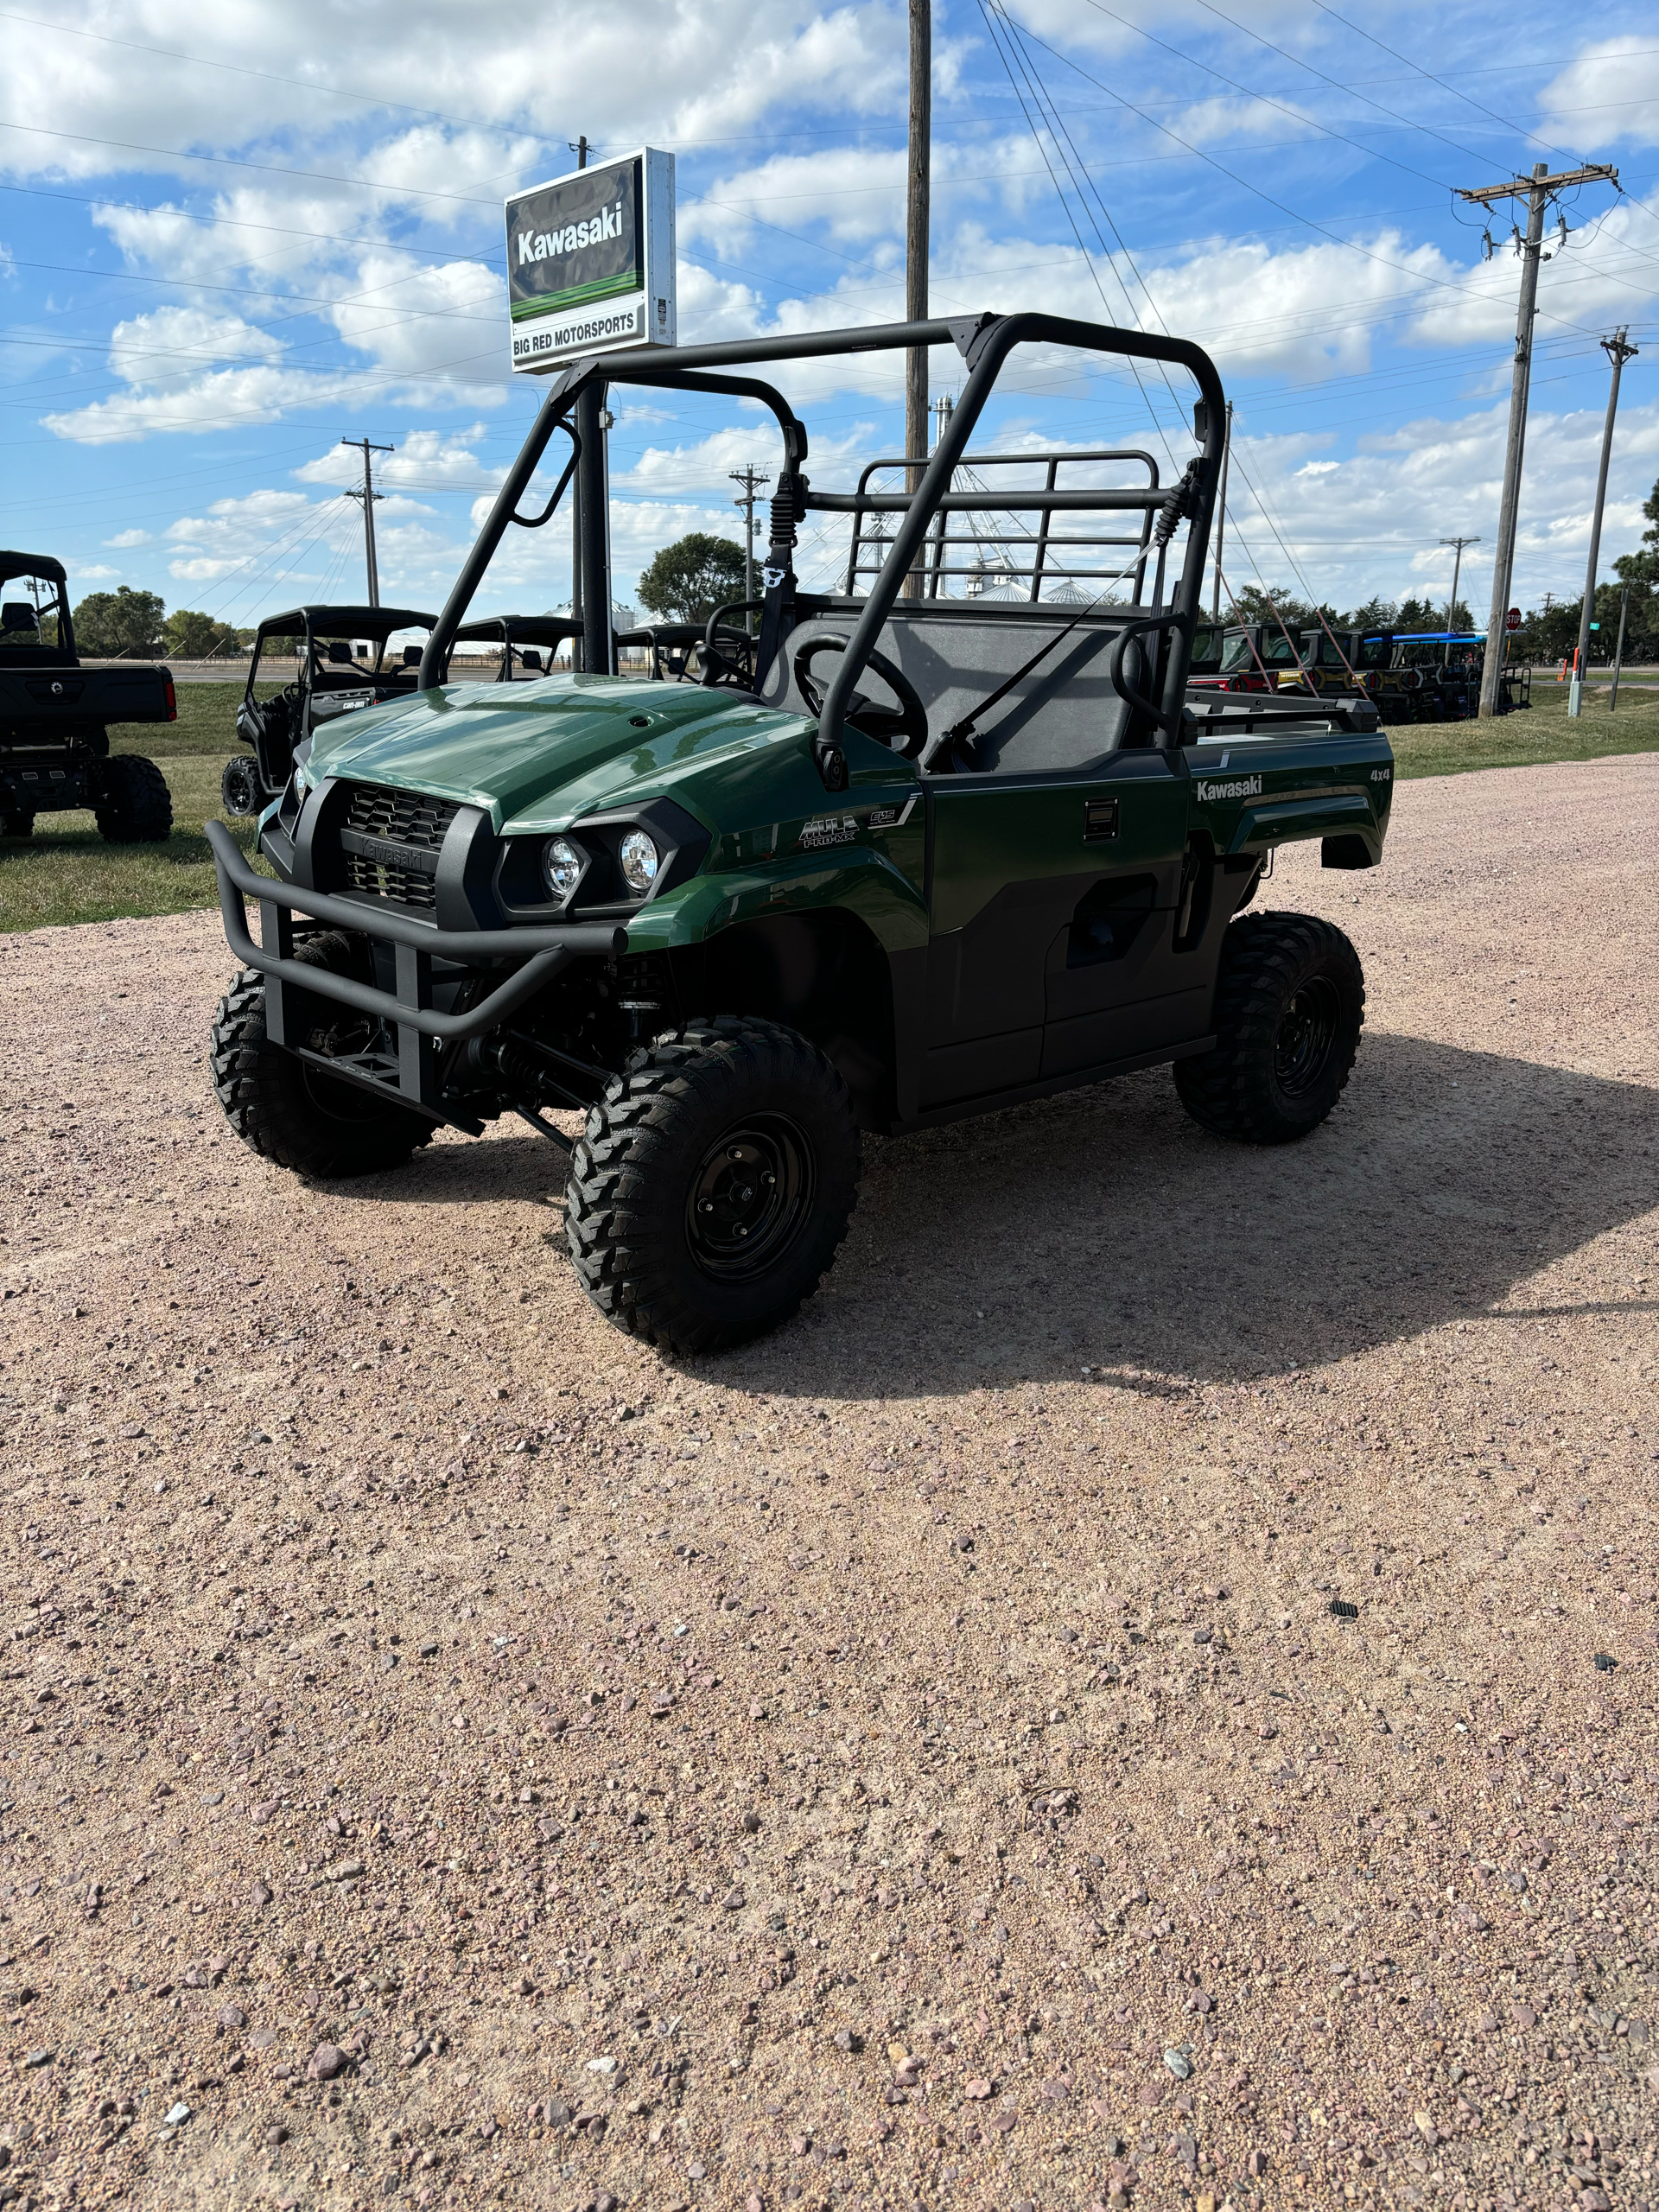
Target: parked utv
(325, 676)
(928, 857)
(526, 643)
(55, 717)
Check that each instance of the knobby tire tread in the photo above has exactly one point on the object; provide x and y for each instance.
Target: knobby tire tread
(261, 1088)
(1229, 1091)
(608, 1216)
(136, 806)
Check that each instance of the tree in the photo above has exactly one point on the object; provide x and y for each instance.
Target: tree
(1374, 613)
(122, 623)
(1642, 569)
(190, 636)
(687, 580)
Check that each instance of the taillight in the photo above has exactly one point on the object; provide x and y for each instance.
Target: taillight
(172, 696)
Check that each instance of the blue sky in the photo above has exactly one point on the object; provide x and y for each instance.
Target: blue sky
(230, 236)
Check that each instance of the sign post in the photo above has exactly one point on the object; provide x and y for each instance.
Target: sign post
(590, 270)
(590, 262)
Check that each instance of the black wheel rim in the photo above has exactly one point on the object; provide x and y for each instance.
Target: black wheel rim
(239, 794)
(749, 1197)
(1307, 1037)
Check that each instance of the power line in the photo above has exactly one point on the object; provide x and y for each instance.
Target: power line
(1520, 129)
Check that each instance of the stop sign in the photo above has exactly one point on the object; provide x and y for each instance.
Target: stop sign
(1512, 620)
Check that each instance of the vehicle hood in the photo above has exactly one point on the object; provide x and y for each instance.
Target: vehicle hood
(540, 755)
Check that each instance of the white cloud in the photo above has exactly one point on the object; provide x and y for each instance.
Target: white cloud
(235, 531)
(1230, 116)
(1609, 90)
(430, 460)
(298, 70)
(709, 463)
(858, 192)
(126, 537)
(1372, 522)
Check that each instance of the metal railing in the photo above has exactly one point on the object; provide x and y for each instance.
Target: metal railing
(1020, 552)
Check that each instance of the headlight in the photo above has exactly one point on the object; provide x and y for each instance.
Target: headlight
(639, 862)
(561, 868)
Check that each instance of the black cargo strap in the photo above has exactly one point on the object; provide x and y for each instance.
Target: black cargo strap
(1179, 503)
(778, 612)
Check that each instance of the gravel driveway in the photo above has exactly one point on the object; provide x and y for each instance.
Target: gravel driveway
(1106, 1705)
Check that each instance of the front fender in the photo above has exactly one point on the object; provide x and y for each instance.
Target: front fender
(864, 882)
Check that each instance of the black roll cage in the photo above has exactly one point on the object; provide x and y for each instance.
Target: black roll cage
(317, 626)
(985, 342)
(40, 567)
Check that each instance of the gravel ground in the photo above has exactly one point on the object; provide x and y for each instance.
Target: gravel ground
(1106, 1705)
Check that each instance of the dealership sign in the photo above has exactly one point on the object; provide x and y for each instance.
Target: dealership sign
(590, 261)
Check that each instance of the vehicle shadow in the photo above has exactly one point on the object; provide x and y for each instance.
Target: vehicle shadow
(1104, 1228)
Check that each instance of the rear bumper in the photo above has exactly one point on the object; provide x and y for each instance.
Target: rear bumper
(539, 955)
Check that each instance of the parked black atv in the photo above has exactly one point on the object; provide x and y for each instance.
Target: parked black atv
(54, 718)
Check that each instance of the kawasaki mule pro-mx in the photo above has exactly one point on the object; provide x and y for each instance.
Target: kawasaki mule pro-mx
(922, 854)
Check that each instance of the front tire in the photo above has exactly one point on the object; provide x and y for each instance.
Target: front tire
(713, 1185)
(133, 805)
(16, 822)
(1290, 1001)
(291, 1112)
(238, 787)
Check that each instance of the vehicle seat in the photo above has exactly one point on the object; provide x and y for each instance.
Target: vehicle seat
(1064, 715)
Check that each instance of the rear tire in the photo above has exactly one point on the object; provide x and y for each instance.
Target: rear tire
(238, 787)
(713, 1185)
(290, 1111)
(1290, 1001)
(133, 805)
(16, 824)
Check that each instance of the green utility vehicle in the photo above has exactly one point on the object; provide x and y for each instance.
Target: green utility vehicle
(919, 856)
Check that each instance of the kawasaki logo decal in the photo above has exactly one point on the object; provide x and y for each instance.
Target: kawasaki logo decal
(1239, 787)
(607, 223)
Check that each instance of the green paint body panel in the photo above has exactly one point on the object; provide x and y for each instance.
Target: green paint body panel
(1034, 923)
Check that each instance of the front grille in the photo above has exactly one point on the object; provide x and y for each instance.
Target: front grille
(401, 885)
(405, 817)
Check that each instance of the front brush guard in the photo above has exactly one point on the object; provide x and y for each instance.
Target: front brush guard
(418, 1025)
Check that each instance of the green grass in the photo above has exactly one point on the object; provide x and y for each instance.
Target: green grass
(66, 873)
(207, 723)
(1527, 738)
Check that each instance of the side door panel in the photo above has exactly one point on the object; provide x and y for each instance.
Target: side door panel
(1018, 949)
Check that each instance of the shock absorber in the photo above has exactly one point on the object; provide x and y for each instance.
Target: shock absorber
(500, 1058)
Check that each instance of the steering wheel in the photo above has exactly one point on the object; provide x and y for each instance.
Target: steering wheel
(903, 728)
(719, 671)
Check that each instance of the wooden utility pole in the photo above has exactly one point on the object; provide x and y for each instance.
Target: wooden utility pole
(1451, 607)
(916, 246)
(1537, 189)
(751, 478)
(1619, 650)
(368, 495)
(1618, 352)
